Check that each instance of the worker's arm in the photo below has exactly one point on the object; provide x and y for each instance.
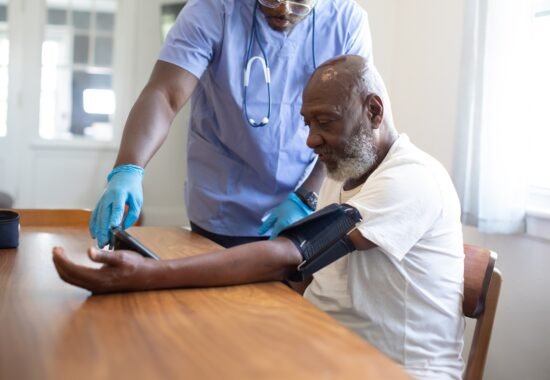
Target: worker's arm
(148, 123)
(168, 89)
(315, 178)
(294, 207)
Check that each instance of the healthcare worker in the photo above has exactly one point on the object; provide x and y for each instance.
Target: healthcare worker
(244, 64)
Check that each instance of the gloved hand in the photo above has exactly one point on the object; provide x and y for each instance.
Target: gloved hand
(123, 188)
(291, 210)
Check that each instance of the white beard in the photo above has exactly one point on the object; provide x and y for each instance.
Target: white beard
(359, 157)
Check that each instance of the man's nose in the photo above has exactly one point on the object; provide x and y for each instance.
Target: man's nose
(313, 139)
(283, 8)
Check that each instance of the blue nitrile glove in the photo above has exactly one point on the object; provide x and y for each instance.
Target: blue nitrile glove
(123, 188)
(291, 210)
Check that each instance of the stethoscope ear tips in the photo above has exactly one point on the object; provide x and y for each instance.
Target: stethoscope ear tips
(265, 120)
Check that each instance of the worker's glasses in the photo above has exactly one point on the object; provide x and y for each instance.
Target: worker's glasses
(298, 7)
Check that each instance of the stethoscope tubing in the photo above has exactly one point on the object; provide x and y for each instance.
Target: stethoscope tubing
(265, 66)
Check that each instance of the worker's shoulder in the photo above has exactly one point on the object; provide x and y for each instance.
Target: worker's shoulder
(338, 4)
(340, 9)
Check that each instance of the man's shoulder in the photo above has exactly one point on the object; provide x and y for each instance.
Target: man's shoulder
(404, 152)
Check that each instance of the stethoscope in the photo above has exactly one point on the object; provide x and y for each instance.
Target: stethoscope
(265, 66)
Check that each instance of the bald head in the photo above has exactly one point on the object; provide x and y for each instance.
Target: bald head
(342, 77)
(350, 127)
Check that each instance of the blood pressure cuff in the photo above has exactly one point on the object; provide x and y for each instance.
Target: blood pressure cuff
(322, 237)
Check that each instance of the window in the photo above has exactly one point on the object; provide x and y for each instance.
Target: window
(4, 61)
(168, 15)
(540, 95)
(77, 97)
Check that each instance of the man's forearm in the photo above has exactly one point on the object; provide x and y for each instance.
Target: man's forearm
(256, 262)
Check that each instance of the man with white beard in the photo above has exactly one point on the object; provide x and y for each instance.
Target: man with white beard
(400, 287)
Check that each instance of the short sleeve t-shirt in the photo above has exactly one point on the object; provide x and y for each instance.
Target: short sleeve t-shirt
(405, 295)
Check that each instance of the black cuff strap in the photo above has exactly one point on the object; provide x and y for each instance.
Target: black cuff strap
(322, 237)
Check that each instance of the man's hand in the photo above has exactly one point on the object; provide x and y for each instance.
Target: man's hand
(121, 271)
(291, 210)
(123, 188)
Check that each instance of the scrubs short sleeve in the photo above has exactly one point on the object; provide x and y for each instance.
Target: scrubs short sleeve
(359, 41)
(191, 43)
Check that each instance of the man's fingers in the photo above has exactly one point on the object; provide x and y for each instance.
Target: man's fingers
(75, 274)
(104, 257)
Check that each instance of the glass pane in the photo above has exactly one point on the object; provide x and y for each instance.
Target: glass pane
(4, 49)
(80, 49)
(3, 89)
(57, 17)
(168, 15)
(81, 119)
(103, 51)
(55, 110)
(4, 60)
(105, 22)
(81, 20)
(77, 99)
(3, 13)
(56, 49)
(542, 6)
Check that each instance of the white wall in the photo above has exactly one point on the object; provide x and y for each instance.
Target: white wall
(424, 72)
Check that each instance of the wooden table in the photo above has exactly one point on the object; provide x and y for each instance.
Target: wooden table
(52, 330)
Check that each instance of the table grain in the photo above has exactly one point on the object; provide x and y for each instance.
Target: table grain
(52, 330)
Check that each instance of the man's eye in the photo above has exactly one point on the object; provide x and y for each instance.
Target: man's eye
(324, 122)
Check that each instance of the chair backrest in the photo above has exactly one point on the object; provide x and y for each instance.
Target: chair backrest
(481, 291)
(54, 217)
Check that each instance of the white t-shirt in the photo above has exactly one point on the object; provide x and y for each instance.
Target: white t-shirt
(405, 295)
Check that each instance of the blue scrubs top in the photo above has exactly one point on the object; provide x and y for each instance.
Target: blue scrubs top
(236, 173)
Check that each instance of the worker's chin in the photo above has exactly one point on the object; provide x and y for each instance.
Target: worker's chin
(280, 25)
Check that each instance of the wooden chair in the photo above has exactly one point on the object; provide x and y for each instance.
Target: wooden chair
(481, 291)
(54, 217)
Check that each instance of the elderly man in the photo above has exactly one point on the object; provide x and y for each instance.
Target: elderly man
(400, 286)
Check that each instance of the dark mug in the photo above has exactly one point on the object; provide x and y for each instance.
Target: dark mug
(9, 229)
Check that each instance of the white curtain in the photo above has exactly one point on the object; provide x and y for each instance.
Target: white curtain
(493, 111)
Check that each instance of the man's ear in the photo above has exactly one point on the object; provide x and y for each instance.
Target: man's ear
(375, 110)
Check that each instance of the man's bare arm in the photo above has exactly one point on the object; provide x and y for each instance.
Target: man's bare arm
(127, 271)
